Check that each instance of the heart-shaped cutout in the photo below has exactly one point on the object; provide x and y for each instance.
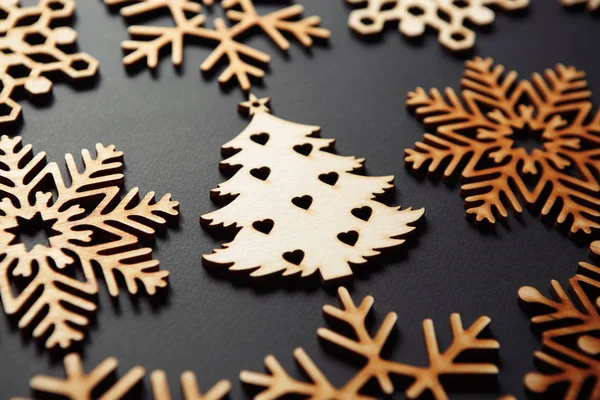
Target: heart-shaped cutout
(303, 202)
(303, 149)
(294, 257)
(261, 173)
(350, 238)
(330, 178)
(265, 226)
(363, 213)
(260, 138)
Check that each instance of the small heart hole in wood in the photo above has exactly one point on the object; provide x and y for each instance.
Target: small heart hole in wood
(330, 178)
(260, 138)
(363, 213)
(265, 226)
(303, 202)
(350, 238)
(261, 173)
(304, 149)
(294, 257)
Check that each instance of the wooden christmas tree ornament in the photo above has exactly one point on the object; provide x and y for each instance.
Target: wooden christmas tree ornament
(277, 383)
(569, 327)
(32, 49)
(592, 5)
(241, 59)
(87, 225)
(81, 386)
(448, 17)
(483, 134)
(298, 207)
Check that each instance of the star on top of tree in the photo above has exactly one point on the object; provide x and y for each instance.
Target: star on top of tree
(254, 105)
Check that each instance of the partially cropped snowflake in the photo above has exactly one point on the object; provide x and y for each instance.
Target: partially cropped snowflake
(30, 51)
(241, 60)
(570, 324)
(88, 224)
(483, 135)
(448, 17)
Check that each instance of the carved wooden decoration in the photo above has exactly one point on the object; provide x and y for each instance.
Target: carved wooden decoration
(88, 225)
(241, 60)
(448, 17)
(80, 386)
(32, 49)
(278, 383)
(592, 5)
(569, 326)
(482, 135)
(298, 207)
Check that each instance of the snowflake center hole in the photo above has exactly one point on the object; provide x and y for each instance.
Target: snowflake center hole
(527, 138)
(34, 231)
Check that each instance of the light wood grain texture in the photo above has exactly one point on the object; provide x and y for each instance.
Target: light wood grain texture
(592, 5)
(89, 224)
(448, 17)
(81, 386)
(243, 62)
(299, 209)
(277, 383)
(30, 52)
(569, 324)
(478, 135)
(189, 387)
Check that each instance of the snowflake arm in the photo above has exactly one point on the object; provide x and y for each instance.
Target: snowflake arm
(276, 23)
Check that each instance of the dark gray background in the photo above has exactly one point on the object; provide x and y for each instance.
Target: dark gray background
(171, 126)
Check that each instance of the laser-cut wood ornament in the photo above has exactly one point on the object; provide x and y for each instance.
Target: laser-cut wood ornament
(277, 383)
(592, 5)
(478, 134)
(243, 61)
(89, 224)
(299, 209)
(79, 386)
(32, 49)
(447, 17)
(569, 324)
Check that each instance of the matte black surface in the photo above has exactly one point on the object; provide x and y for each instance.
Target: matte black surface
(171, 127)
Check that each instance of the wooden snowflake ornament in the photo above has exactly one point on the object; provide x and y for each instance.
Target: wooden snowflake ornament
(32, 50)
(81, 386)
(482, 135)
(569, 324)
(448, 17)
(88, 224)
(277, 383)
(299, 209)
(241, 59)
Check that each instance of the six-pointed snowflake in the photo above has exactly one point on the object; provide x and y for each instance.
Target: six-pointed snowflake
(89, 225)
(241, 59)
(448, 17)
(30, 51)
(480, 136)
